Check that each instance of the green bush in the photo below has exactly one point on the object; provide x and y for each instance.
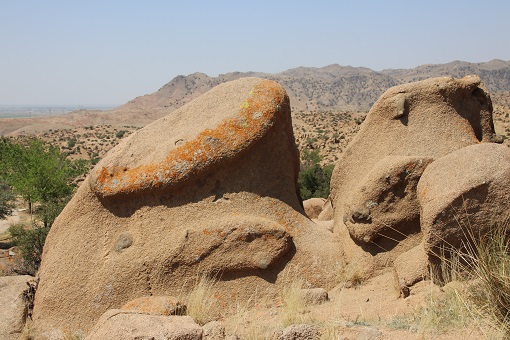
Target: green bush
(71, 142)
(43, 177)
(314, 179)
(120, 134)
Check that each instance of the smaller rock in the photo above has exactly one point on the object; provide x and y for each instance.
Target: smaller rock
(213, 330)
(370, 334)
(156, 305)
(13, 306)
(314, 296)
(117, 324)
(301, 332)
(327, 211)
(313, 207)
(410, 268)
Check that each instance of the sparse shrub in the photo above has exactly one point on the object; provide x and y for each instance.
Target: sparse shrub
(120, 133)
(30, 241)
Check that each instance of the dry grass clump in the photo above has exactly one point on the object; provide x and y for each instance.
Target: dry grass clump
(200, 301)
(479, 288)
(294, 306)
(350, 275)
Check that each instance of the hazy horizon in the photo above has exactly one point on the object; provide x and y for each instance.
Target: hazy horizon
(111, 52)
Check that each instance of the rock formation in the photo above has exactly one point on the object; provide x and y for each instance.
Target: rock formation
(118, 324)
(427, 119)
(211, 190)
(208, 190)
(376, 209)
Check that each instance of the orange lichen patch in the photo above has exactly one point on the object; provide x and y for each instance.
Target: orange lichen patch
(256, 115)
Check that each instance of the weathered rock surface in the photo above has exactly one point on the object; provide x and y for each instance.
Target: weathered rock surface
(213, 330)
(118, 324)
(410, 268)
(12, 316)
(209, 189)
(464, 194)
(383, 207)
(313, 206)
(373, 193)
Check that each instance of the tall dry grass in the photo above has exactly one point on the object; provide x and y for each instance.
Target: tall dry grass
(487, 261)
(200, 301)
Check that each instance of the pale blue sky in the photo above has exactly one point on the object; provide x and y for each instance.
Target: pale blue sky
(108, 52)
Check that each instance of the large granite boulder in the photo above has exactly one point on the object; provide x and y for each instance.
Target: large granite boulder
(210, 189)
(374, 200)
(463, 195)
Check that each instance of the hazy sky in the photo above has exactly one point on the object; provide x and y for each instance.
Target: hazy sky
(108, 52)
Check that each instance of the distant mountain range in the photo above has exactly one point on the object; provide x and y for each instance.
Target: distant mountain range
(333, 87)
(329, 88)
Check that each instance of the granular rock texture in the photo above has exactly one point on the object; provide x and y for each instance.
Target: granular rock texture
(302, 331)
(464, 194)
(12, 314)
(208, 190)
(155, 305)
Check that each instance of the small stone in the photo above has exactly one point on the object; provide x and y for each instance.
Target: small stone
(124, 241)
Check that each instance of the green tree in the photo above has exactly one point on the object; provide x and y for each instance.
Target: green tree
(38, 172)
(314, 180)
(43, 177)
(6, 198)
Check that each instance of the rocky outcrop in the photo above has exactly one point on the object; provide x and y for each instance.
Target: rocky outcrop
(377, 205)
(208, 190)
(426, 119)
